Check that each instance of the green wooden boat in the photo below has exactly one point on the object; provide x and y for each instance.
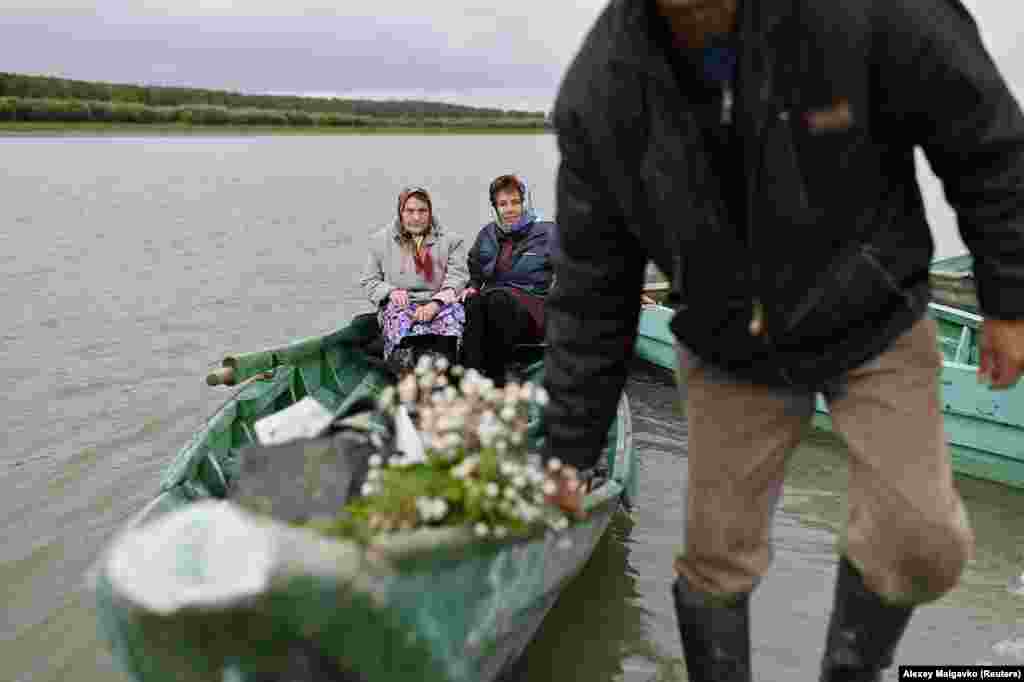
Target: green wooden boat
(196, 588)
(654, 342)
(952, 283)
(985, 428)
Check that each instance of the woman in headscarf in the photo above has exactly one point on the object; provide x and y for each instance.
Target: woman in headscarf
(509, 277)
(415, 274)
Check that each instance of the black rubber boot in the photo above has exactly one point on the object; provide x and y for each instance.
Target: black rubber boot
(715, 634)
(863, 632)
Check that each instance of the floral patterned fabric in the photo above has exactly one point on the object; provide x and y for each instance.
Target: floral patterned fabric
(396, 323)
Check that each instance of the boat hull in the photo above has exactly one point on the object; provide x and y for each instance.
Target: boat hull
(655, 343)
(464, 616)
(984, 428)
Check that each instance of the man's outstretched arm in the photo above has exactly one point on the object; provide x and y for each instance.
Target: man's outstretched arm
(938, 78)
(592, 311)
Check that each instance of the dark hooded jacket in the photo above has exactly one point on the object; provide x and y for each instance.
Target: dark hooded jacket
(831, 249)
(531, 264)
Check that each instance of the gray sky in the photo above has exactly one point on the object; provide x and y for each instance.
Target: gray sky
(503, 54)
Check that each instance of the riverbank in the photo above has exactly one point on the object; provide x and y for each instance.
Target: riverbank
(99, 128)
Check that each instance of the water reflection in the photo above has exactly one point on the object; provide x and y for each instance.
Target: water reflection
(815, 492)
(614, 622)
(597, 621)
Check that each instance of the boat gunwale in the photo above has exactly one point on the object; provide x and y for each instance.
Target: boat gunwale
(957, 315)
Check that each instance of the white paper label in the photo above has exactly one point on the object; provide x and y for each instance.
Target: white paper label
(305, 419)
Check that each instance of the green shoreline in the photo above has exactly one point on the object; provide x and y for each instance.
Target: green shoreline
(37, 128)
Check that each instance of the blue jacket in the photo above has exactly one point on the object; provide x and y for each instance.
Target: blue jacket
(531, 259)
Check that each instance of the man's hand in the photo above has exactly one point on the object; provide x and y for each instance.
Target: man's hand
(466, 293)
(563, 488)
(425, 313)
(399, 297)
(1002, 352)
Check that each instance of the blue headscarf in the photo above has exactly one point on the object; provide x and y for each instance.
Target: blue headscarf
(530, 214)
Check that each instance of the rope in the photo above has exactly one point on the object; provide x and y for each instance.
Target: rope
(269, 374)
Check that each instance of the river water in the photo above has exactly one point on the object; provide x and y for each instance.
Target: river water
(129, 267)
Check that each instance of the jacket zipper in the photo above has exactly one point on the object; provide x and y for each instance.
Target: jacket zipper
(727, 102)
(756, 325)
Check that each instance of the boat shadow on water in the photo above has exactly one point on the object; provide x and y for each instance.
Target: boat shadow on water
(596, 625)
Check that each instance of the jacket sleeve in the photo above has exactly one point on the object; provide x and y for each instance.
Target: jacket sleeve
(456, 274)
(592, 312)
(937, 77)
(373, 279)
(476, 273)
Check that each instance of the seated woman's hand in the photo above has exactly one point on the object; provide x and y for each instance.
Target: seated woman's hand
(427, 312)
(446, 296)
(466, 293)
(399, 297)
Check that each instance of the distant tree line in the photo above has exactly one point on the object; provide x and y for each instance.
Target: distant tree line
(42, 98)
(75, 111)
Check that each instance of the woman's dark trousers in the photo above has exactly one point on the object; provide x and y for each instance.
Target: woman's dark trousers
(495, 324)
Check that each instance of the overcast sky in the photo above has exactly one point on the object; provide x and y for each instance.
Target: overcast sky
(504, 54)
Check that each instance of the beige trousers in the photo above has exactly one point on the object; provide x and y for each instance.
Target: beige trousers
(907, 530)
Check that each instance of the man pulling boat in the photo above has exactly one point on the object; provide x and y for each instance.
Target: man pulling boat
(761, 153)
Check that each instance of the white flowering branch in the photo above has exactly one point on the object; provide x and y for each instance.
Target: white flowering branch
(477, 470)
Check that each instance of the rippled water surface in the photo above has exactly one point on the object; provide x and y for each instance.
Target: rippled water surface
(131, 266)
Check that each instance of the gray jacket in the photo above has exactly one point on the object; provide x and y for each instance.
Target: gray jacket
(389, 266)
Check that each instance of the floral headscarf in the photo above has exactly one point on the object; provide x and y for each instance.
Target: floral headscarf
(530, 214)
(417, 242)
